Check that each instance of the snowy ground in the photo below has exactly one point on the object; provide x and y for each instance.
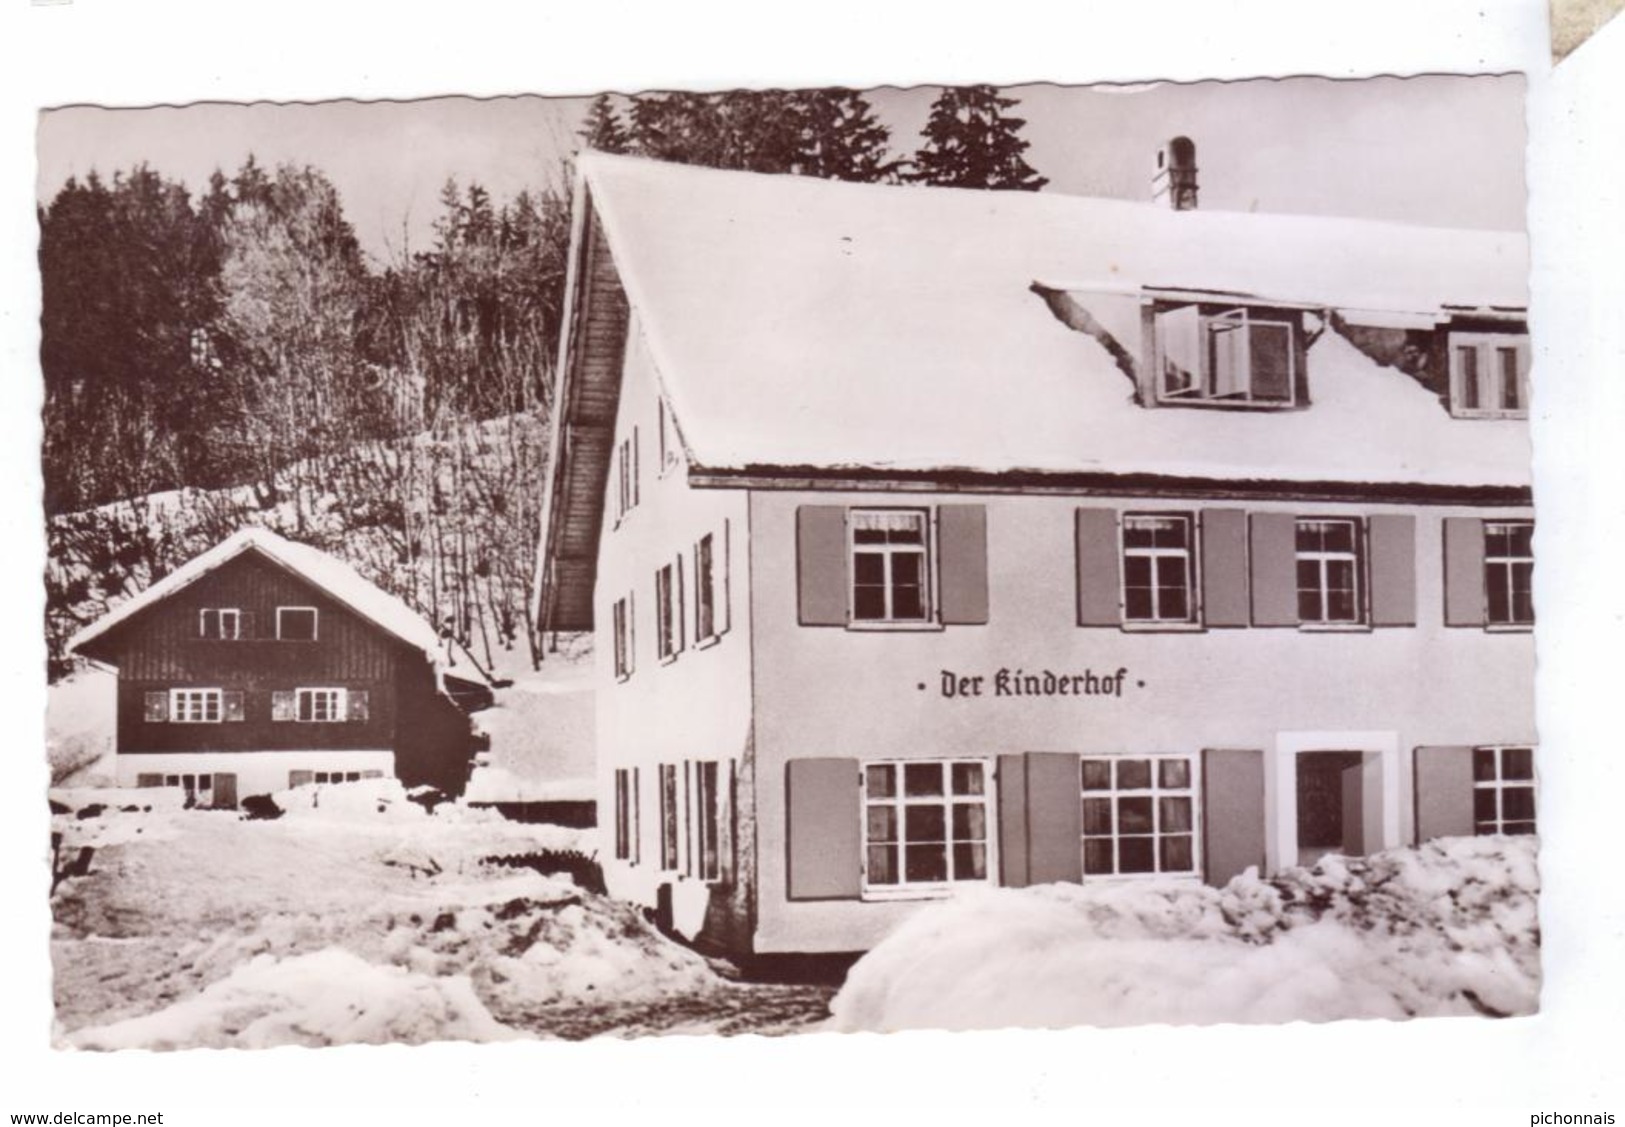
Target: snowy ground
(357, 917)
(1446, 929)
(541, 728)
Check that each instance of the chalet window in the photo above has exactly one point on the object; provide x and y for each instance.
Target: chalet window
(220, 623)
(196, 706)
(889, 565)
(296, 624)
(704, 860)
(1329, 566)
(669, 620)
(1226, 356)
(320, 706)
(1509, 570)
(1139, 815)
(1503, 790)
(1489, 375)
(624, 638)
(1158, 568)
(338, 776)
(925, 825)
(668, 816)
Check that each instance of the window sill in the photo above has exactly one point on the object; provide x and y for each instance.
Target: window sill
(921, 892)
(896, 627)
(1513, 416)
(1334, 627)
(670, 658)
(1137, 627)
(1509, 628)
(707, 642)
(1135, 878)
(1223, 404)
(622, 678)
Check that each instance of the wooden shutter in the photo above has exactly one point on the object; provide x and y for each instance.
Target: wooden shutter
(157, 706)
(1224, 567)
(358, 702)
(1393, 569)
(1099, 576)
(1463, 571)
(301, 778)
(149, 780)
(1274, 546)
(1054, 818)
(224, 791)
(1444, 792)
(821, 565)
(1232, 812)
(962, 545)
(822, 812)
(231, 705)
(283, 705)
(1012, 790)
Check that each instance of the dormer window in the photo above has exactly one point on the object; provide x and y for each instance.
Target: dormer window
(1489, 375)
(1227, 356)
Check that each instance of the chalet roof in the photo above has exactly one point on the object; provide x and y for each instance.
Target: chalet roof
(797, 322)
(338, 579)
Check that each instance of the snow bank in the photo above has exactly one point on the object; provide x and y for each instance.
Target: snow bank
(80, 720)
(1448, 928)
(329, 997)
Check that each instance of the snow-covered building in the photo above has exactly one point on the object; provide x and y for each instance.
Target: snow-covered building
(937, 538)
(263, 664)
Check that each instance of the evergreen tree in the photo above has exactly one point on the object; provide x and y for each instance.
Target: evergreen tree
(603, 131)
(972, 143)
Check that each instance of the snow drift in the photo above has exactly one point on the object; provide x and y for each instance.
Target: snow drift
(1446, 928)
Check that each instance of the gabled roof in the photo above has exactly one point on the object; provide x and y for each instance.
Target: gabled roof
(807, 323)
(338, 579)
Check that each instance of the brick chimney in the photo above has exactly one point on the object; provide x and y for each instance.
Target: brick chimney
(1174, 181)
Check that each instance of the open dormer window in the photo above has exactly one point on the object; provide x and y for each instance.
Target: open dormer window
(1489, 375)
(1217, 355)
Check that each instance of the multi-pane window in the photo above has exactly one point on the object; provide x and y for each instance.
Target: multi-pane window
(221, 623)
(1503, 790)
(1157, 572)
(1139, 815)
(338, 776)
(195, 706)
(296, 624)
(889, 573)
(1226, 356)
(623, 637)
(706, 862)
(1328, 558)
(1488, 375)
(925, 823)
(319, 705)
(669, 609)
(705, 589)
(1509, 571)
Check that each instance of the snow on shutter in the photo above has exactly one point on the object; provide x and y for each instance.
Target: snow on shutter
(1099, 585)
(358, 703)
(283, 705)
(1463, 571)
(821, 565)
(231, 705)
(1274, 545)
(962, 544)
(224, 791)
(1232, 812)
(1012, 791)
(1444, 792)
(301, 778)
(1054, 818)
(822, 810)
(157, 706)
(1224, 567)
(146, 780)
(1393, 569)
(1179, 346)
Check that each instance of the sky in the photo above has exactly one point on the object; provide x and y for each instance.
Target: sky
(1438, 150)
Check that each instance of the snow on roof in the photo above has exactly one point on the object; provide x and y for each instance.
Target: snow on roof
(332, 575)
(804, 322)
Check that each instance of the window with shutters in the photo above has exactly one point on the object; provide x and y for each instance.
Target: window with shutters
(1139, 815)
(706, 860)
(1509, 572)
(669, 825)
(1503, 790)
(1159, 575)
(1215, 355)
(626, 476)
(320, 706)
(623, 814)
(623, 638)
(926, 826)
(669, 620)
(1489, 375)
(196, 706)
(1329, 566)
(710, 588)
(296, 624)
(890, 551)
(220, 623)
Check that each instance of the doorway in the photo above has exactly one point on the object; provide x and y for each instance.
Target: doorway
(1337, 805)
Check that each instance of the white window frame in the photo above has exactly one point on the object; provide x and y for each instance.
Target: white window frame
(1228, 319)
(899, 801)
(625, 637)
(1356, 557)
(193, 705)
(1487, 349)
(926, 550)
(1500, 784)
(338, 698)
(1191, 555)
(334, 778)
(221, 618)
(1507, 565)
(315, 624)
(1155, 791)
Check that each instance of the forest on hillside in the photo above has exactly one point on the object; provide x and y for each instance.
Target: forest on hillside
(231, 356)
